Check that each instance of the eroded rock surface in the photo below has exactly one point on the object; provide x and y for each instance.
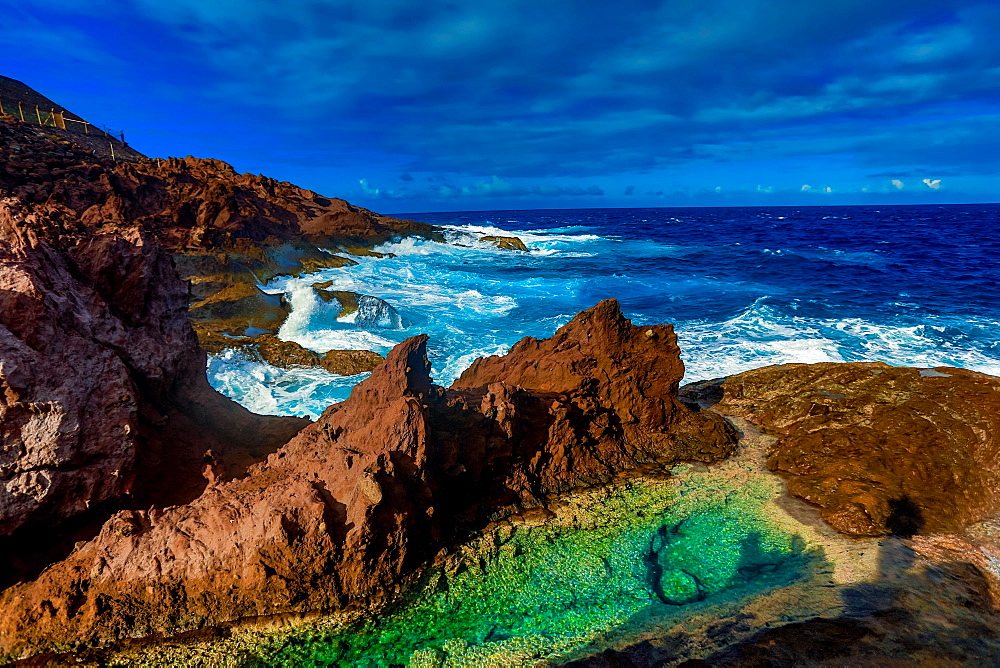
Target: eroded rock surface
(103, 393)
(370, 492)
(880, 449)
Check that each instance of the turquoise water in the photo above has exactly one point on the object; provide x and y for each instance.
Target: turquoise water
(606, 564)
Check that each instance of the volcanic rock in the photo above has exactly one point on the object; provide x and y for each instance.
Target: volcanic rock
(285, 354)
(102, 380)
(368, 494)
(880, 449)
(367, 310)
(240, 307)
(506, 243)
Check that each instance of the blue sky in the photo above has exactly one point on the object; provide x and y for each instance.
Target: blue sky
(439, 105)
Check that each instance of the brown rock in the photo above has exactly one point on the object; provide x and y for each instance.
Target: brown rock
(189, 204)
(359, 500)
(285, 354)
(101, 380)
(348, 300)
(350, 362)
(507, 243)
(880, 449)
(240, 307)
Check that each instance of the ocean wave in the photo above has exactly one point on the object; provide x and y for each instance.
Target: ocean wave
(761, 336)
(268, 390)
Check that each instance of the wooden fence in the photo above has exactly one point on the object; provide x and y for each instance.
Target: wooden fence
(51, 118)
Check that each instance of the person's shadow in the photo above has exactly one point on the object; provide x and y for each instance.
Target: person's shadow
(895, 559)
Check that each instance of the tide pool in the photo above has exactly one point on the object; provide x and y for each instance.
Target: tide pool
(604, 566)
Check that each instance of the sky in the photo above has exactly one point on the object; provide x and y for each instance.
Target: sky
(439, 105)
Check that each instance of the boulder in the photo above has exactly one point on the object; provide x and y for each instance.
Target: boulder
(506, 243)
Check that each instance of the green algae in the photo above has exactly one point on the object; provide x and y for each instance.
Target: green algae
(607, 562)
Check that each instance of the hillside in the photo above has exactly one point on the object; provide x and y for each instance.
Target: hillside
(80, 131)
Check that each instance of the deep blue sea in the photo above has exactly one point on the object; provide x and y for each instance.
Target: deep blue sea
(744, 287)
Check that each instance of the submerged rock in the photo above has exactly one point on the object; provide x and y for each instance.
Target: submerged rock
(881, 449)
(364, 497)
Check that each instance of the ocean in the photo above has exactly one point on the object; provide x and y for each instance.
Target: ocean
(744, 287)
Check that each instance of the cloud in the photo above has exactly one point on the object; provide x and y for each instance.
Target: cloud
(542, 95)
(827, 189)
(806, 188)
(897, 184)
(933, 185)
(629, 190)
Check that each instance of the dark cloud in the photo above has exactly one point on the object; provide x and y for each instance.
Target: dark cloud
(564, 89)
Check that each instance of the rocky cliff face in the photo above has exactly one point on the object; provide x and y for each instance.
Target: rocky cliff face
(103, 396)
(190, 204)
(359, 500)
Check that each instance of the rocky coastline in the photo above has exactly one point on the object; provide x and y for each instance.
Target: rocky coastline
(145, 519)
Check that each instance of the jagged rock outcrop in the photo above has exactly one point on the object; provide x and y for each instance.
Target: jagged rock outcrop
(366, 495)
(229, 232)
(103, 393)
(880, 449)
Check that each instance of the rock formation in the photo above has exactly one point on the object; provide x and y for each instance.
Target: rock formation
(505, 243)
(366, 495)
(104, 397)
(880, 449)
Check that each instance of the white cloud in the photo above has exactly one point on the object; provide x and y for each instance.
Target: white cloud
(827, 189)
(933, 185)
(898, 184)
(718, 189)
(806, 188)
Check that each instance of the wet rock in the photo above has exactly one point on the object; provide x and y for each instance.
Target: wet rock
(880, 449)
(362, 310)
(348, 300)
(506, 243)
(348, 508)
(350, 362)
(238, 308)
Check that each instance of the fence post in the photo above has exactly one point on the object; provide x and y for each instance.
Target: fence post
(112, 152)
(60, 120)
(2, 112)
(38, 115)
(20, 111)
